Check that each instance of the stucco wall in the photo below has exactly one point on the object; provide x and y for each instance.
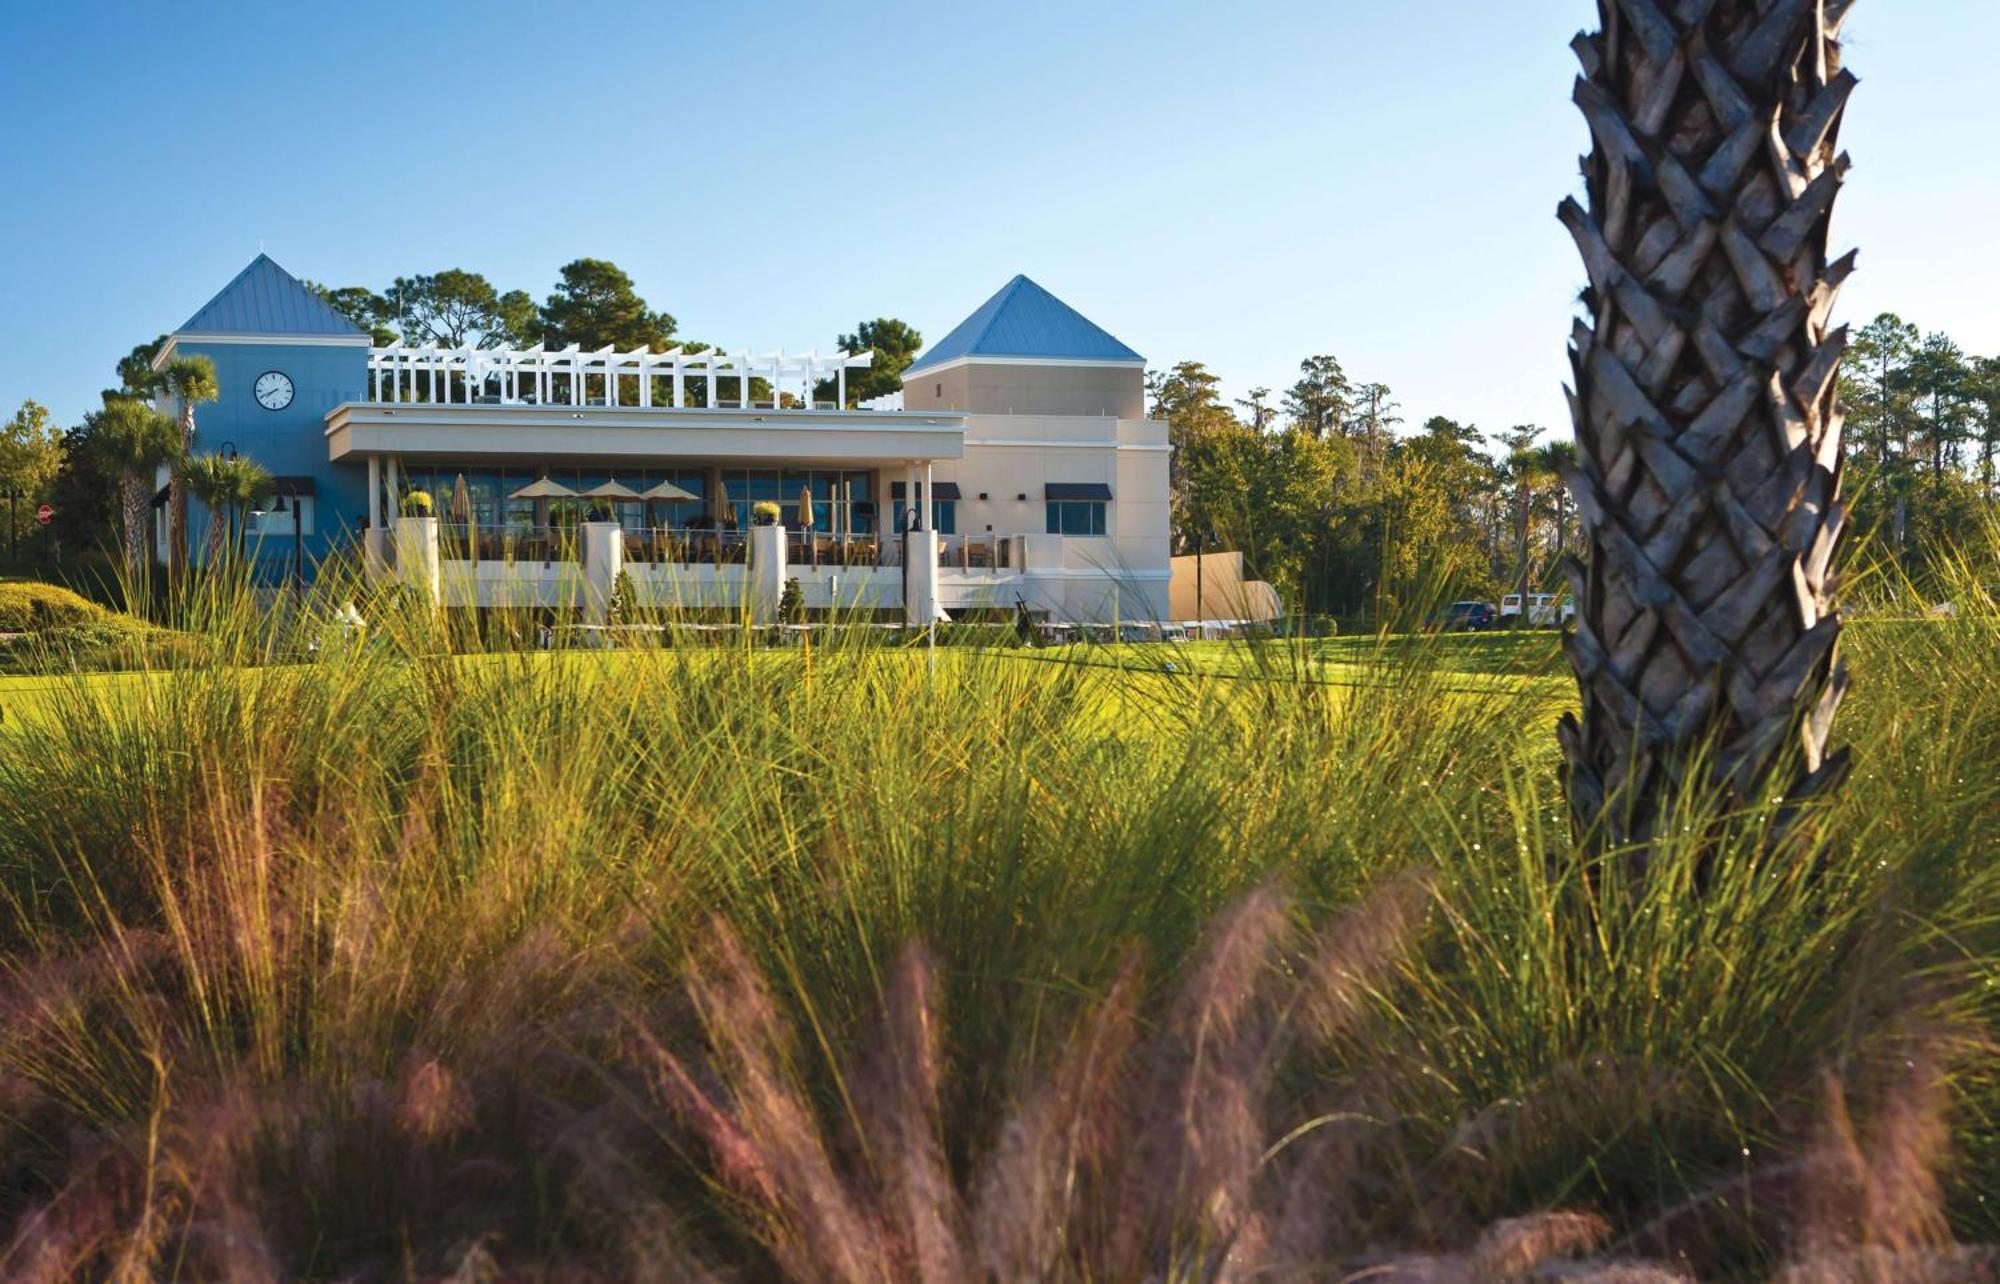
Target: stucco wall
(1018, 388)
(288, 442)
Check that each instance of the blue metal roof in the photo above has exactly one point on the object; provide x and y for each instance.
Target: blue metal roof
(1024, 320)
(266, 299)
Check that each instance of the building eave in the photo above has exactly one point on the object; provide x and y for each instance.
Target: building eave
(1104, 363)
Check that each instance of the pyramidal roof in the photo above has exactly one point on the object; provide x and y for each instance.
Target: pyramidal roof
(1024, 321)
(266, 299)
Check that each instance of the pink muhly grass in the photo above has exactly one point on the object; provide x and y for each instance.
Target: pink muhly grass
(896, 1098)
(767, 1141)
(1198, 1118)
(1060, 1135)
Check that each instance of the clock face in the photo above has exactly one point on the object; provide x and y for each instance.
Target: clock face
(274, 390)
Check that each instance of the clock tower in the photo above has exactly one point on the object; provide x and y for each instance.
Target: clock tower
(283, 359)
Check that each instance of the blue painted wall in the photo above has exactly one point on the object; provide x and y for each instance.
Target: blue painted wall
(288, 442)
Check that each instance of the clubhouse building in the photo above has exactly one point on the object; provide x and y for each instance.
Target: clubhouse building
(1016, 467)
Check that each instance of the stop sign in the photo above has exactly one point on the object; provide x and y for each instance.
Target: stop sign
(45, 514)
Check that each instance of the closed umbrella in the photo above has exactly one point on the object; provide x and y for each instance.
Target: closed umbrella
(461, 510)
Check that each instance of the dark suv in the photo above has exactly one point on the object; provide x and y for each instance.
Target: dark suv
(1470, 617)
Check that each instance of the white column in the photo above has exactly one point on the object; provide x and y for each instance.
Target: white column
(929, 510)
(417, 556)
(603, 559)
(910, 497)
(680, 385)
(840, 387)
(766, 572)
(374, 492)
(920, 600)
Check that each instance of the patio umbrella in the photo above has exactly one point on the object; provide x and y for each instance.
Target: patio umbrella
(461, 502)
(806, 507)
(614, 492)
(542, 490)
(724, 515)
(666, 492)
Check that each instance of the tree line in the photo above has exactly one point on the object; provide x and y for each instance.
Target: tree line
(593, 304)
(1345, 514)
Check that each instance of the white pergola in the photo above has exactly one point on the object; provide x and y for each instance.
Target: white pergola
(564, 376)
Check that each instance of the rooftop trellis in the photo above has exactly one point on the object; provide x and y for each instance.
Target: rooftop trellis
(606, 377)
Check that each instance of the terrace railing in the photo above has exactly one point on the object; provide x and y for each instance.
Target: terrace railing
(462, 543)
(685, 545)
(607, 377)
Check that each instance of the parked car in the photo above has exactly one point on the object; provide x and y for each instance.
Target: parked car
(1544, 609)
(1466, 617)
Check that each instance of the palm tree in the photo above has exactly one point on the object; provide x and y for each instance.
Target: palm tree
(1525, 469)
(188, 380)
(135, 439)
(1709, 448)
(1557, 459)
(226, 486)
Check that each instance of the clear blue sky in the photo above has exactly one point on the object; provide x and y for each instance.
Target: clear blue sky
(1244, 184)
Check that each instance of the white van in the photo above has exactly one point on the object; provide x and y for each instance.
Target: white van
(1544, 609)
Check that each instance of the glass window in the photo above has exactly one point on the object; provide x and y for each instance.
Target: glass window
(944, 515)
(270, 524)
(1076, 517)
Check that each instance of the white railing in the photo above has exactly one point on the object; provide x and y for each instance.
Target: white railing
(606, 377)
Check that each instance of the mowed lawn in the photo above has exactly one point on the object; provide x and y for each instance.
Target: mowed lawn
(1485, 663)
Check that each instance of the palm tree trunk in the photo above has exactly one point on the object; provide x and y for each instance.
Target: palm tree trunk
(218, 536)
(177, 501)
(1521, 555)
(1708, 436)
(136, 499)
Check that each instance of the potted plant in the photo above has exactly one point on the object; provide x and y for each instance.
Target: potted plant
(764, 512)
(417, 503)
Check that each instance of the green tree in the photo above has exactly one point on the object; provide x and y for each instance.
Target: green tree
(31, 456)
(1213, 457)
(459, 309)
(1322, 398)
(1876, 389)
(189, 381)
(1984, 393)
(1524, 467)
(1940, 383)
(895, 345)
(595, 304)
(1262, 412)
(134, 440)
(363, 307)
(228, 487)
(135, 368)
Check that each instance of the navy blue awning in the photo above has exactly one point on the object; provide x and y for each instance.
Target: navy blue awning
(1077, 491)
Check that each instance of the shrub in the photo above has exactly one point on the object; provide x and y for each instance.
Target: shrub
(792, 603)
(32, 607)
